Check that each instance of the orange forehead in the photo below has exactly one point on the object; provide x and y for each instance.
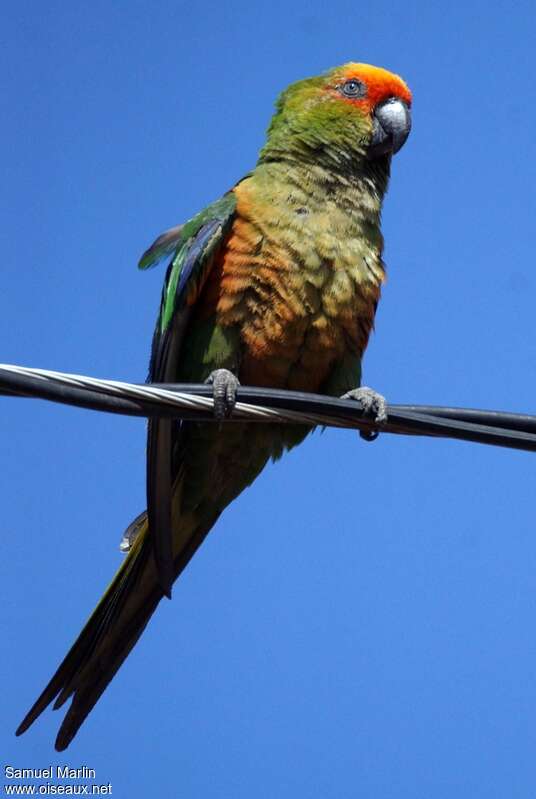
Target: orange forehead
(380, 83)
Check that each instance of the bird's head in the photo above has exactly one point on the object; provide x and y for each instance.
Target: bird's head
(351, 112)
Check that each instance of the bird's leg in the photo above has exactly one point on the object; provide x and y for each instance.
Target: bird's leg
(224, 385)
(373, 404)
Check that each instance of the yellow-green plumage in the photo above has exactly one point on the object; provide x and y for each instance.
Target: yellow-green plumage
(301, 274)
(277, 282)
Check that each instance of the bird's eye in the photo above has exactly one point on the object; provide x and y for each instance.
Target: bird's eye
(353, 88)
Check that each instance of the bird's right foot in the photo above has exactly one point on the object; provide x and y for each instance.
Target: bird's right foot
(224, 386)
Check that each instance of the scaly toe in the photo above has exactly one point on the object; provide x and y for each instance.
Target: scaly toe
(224, 386)
(373, 404)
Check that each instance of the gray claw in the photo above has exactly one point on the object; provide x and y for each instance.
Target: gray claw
(224, 385)
(373, 404)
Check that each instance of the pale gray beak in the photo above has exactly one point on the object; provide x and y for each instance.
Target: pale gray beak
(392, 124)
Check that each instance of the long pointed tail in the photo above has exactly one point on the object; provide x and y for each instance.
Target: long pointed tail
(212, 473)
(115, 625)
(112, 630)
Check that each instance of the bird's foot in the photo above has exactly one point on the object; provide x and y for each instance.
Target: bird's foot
(373, 404)
(224, 385)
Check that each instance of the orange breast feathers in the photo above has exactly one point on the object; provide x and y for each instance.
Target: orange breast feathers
(293, 332)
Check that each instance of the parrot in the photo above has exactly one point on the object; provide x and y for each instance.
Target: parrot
(276, 285)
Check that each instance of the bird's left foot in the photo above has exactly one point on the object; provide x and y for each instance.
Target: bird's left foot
(224, 386)
(373, 404)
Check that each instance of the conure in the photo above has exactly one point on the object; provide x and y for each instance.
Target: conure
(275, 284)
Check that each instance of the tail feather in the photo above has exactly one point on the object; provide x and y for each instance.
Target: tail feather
(113, 629)
(91, 652)
(102, 619)
(95, 679)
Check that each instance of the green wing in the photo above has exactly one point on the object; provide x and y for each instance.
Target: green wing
(194, 246)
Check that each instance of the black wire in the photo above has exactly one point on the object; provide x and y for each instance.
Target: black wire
(517, 431)
(513, 421)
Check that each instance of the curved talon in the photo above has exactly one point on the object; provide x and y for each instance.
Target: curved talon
(373, 404)
(369, 435)
(224, 385)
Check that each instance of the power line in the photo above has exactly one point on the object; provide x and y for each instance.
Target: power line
(194, 402)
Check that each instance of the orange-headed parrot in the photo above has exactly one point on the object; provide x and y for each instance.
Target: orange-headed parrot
(275, 284)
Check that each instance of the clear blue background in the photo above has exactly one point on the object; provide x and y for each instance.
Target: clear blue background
(362, 620)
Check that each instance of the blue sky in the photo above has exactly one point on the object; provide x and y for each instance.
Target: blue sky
(361, 622)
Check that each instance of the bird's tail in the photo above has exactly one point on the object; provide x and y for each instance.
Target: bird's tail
(114, 627)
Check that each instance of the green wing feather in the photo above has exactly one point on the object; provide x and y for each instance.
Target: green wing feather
(163, 247)
(196, 247)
